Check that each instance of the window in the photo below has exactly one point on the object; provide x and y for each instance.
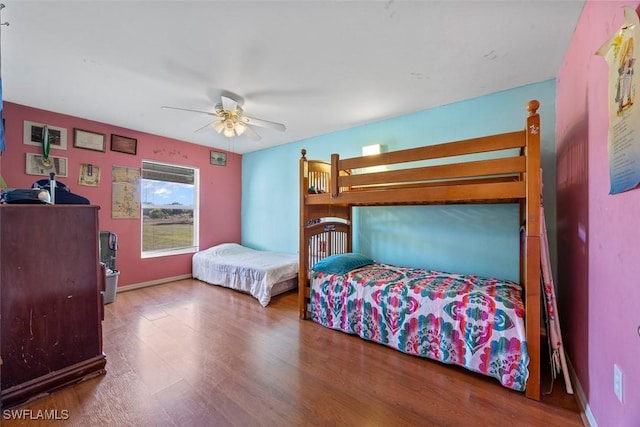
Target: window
(169, 209)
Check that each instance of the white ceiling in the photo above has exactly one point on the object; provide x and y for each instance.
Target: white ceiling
(316, 66)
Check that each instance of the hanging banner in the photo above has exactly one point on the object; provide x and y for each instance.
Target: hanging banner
(624, 113)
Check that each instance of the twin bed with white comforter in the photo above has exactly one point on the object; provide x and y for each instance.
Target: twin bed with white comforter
(262, 274)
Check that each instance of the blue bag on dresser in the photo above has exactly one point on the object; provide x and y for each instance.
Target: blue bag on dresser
(28, 196)
(63, 196)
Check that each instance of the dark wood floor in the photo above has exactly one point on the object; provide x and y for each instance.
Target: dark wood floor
(192, 354)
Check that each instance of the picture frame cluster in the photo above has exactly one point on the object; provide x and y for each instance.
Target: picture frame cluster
(98, 142)
(47, 160)
(84, 139)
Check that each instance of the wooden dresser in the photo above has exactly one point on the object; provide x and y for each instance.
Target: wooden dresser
(51, 308)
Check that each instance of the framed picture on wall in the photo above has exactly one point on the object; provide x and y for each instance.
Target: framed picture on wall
(123, 144)
(89, 175)
(89, 140)
(33, 132)
(219, 159)
(36, 166)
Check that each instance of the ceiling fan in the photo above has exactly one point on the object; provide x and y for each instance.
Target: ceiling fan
(230, 120)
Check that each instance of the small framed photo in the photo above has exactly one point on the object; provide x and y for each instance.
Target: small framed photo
(89, 140)
(37, 166)
(124, 144)
(33, 133)
(219, 159)
(89, 175)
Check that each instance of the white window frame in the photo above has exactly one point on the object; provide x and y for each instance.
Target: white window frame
(196, 214)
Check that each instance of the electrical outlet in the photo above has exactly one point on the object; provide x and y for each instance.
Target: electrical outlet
(617, 382)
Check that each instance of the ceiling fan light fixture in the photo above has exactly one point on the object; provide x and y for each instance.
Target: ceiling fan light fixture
(219, 126)
(229, 128)
(230, 120)
(240, 128)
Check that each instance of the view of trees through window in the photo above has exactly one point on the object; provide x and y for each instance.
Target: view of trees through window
(168, 208)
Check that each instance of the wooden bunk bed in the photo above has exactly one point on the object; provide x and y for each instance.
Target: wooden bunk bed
(329, 191)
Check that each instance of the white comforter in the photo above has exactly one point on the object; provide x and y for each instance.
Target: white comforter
(244, 269)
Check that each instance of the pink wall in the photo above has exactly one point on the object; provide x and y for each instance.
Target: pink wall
(220, 187)
(598, 286)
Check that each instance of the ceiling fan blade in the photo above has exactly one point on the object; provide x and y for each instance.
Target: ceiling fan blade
(251, 134)
(229, 104)
(263, 123)
(205, 126)
(193, 111)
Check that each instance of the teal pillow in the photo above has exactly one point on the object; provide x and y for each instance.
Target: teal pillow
(342, 263)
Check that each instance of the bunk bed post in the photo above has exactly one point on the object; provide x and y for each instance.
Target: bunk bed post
(532, 249)
(303, 245)
(335, 173)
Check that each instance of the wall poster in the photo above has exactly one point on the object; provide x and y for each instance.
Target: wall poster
(125, 192)
(624, 111)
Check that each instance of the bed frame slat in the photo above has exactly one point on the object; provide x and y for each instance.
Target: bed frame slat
(512, 166)
(483, 144)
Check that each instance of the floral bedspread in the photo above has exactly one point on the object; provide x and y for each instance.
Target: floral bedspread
(470, 321)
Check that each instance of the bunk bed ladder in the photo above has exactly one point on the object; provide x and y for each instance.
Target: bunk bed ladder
(557, 354)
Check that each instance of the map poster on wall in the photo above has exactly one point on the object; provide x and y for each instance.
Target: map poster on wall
(624, 111)
(125, 193)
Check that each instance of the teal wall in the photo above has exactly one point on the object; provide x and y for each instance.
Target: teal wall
(479, 239)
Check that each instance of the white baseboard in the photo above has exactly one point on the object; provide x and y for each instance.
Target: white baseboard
(585, 414)
(152, 283)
